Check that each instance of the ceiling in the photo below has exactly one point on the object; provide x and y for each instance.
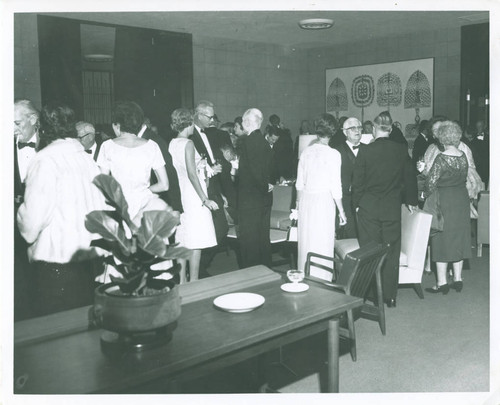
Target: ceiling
(281, 27)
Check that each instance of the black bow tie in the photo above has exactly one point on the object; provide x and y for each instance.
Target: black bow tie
(355, 147)
(21, 145)
(89, 151)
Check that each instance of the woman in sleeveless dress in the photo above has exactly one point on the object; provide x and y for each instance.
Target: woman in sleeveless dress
(130, 159)
(447, 178)
(196, 230)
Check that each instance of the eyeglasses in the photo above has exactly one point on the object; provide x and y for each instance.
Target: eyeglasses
(87, 134)
(353, 129)
(210, 117)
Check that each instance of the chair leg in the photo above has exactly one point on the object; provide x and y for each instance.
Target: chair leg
(352, 334)
(418, 290)
(479, 249)
(380, 302)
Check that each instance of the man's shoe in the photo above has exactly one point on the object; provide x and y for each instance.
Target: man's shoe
(391, 303)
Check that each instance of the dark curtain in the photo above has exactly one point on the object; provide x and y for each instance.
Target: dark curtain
(154, 69)
(60, 62)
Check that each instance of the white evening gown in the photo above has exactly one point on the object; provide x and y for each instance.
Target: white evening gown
(196, 230)
(318, 178)
(131, 167)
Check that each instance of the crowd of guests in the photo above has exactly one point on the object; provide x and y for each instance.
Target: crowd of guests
(217, 175)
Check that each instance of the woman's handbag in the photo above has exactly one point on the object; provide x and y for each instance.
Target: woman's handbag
(292, 235)
(432, 206)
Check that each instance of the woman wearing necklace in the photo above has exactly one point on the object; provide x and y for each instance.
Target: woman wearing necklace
(130, 159)
(319, 196)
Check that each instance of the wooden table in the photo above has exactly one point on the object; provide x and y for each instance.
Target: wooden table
(58, 354)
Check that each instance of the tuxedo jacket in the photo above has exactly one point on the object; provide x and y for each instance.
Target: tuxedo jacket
(173, 196)
(256, 157)
(348, 159)
(383, 179)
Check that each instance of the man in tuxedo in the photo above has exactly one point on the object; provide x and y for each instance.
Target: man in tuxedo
(255, 196)
(26, 138)
(87, 137)
(422, 142)
(173, 195)
(382, 171)
(207, 146)
(348, 150)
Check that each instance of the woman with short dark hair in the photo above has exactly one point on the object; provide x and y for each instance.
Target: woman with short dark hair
(319, 196)
(59, 194)
(447, 177)
(130, 159)
(196, 230)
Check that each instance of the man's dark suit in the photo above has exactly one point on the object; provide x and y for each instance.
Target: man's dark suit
(254, 200)
(214, 187)
(216, 139)
(23, 290)
(173, 196)
(419, 147)
(348, 159)
(382, 171)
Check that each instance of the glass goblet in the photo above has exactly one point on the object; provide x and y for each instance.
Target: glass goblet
(295, 276)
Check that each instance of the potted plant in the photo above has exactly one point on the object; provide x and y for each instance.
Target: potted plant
(138, 300)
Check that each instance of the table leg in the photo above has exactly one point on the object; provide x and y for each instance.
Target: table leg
(333, 355)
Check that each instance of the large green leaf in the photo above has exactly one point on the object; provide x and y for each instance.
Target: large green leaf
(155, 226)
(114, 196)
(102, 223)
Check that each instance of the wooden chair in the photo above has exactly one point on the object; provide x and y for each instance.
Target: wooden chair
(354, 278)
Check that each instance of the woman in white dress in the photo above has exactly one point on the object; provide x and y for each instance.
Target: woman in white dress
(319, 195)
(130, 159)
(196, 230)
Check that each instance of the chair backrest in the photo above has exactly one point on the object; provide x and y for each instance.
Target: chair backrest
(415, 228)
(282, 198)
(360, 266)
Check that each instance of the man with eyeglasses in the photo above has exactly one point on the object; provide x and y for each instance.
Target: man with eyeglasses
(348, 150)
(206, 146)
(87, 137)
(26, 124)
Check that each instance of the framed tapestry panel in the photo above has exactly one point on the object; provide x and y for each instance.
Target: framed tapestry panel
(405, 89)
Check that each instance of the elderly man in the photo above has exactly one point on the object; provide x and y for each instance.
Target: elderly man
(26, 123)
(254, 193)
(87, 137)
(382, 173)
(207, 146)
(348, 150)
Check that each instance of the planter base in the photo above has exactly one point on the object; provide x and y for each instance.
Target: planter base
(115, 343)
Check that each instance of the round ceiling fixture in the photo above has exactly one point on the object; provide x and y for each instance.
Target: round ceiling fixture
(316, 23)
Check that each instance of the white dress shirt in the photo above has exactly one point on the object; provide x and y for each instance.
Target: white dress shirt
(205, 142)
(24, 157)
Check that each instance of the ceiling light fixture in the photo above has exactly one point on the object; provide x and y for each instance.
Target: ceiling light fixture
(316, 23)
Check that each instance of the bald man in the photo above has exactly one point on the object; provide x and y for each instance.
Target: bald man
(348, 150)
(255, 196)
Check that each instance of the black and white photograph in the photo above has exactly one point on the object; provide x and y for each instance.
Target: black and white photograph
(271, 202)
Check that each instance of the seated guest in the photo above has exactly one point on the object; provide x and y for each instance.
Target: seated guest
(59, 194)
(87, 137)
(130, 159)
(230, 155)
(196, 230)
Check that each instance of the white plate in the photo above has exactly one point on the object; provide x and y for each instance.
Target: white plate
(239, 302)
(295, 287)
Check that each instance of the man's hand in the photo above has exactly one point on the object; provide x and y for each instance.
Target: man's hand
(217, 168)
(270, 188)
(411, 208)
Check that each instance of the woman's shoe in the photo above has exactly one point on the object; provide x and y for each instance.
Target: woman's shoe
(445, 289)
(458, 285)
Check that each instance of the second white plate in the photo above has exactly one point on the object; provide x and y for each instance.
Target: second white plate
(295, 287)
(239, 302)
